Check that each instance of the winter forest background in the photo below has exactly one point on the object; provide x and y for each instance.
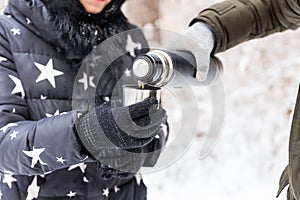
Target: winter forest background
(260, 85)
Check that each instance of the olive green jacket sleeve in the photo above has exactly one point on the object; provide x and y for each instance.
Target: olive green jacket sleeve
(291, 175)
(236, 21)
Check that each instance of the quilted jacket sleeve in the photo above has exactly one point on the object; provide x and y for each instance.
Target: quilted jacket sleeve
(31, 147)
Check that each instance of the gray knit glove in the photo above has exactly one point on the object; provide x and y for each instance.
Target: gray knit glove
(117, 136)
(198, 39)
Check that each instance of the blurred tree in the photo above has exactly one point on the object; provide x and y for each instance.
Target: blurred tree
(2, 4)
(144, 13)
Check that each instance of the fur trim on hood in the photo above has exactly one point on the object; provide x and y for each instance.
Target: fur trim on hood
(79, 31)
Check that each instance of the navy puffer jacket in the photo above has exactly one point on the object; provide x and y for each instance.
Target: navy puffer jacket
(40, 155)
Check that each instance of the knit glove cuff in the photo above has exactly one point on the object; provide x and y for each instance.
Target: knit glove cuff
(199, 40)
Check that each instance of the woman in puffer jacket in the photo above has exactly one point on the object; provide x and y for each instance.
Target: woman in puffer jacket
(43, 155)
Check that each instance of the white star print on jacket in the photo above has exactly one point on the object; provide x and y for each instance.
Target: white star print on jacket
(105, 192)
(8, 179)
(14, 135)
(43, 97)
(51, 115)
(127, 72)
(116, 189)
(18, 88)
(47, 72)
(82, 167)
(35, 155)
(16, 31)
(2, 59)
(6, 127)
(71, 194)
(60, 160)
(85, 179)
(138, 178)
(87, 81)
(28, 21)
(33, 190)
(131, 46)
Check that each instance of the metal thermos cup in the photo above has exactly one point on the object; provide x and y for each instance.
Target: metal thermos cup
(133, 94)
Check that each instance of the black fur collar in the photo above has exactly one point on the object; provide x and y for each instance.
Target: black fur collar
(78, 31)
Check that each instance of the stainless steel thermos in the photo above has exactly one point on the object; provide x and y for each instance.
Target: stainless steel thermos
(157, 68)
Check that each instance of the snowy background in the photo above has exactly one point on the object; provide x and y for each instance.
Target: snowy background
(260, 85)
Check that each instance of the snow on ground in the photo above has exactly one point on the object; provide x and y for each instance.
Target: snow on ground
(261, 83)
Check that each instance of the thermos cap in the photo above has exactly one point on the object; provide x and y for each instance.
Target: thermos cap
(141, 68)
